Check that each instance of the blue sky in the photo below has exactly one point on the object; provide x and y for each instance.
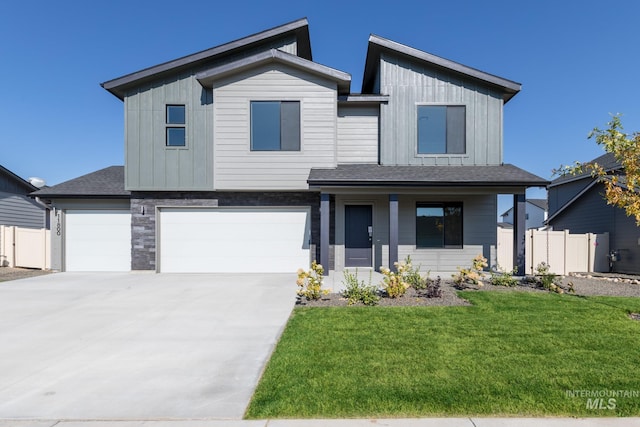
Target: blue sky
(578, 61)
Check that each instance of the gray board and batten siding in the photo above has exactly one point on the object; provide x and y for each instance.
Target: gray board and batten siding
(409, 84)
(150, 164)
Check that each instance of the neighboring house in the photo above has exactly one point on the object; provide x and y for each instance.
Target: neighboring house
(577, 204)
(16, 207)
(251, 157)
(535, 214)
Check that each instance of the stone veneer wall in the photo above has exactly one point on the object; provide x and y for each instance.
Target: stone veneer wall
(143, 215)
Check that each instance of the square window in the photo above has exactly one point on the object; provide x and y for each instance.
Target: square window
(275, 126)
(441, 129)
(175, 137)
(176, 132)
(175, 114)
(439, 225)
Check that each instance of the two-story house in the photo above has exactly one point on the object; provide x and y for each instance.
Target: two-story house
(251, 157)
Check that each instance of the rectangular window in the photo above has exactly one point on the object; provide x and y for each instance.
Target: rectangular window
(441, 129)
(275, 126)
(175, 129)
(439, 225)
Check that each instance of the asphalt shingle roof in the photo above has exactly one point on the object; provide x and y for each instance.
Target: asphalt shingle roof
(425, 176)
(107, 182)
(607, 161)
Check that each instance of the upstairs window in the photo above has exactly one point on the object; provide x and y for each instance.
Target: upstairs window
(439, 225)
(441, 129)
(275, 126)
(175, 123)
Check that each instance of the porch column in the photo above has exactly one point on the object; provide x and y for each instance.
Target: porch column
(519, 232)
(393, 230)
(324, 232)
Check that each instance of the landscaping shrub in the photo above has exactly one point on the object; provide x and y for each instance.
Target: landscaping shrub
(433, 288)
(356, 291)
(472, 275)
(394, 283)
(310, 282)
(504, 278)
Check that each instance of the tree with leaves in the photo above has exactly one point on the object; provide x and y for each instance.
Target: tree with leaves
(622, 185)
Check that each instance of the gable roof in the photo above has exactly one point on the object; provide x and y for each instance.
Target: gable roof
(607, 161)
(206, 78)
(539, 203)
(104, 183)
(378, 45)
(363, 175)
(16, 180)
(299, 29)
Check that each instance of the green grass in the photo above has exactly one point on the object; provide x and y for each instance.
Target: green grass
(510, 354)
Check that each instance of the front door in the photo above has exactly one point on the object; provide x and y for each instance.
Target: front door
(358, 236)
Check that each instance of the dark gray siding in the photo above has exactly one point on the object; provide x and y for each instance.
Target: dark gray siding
(591, 214)
(20, 211)
(561, 194)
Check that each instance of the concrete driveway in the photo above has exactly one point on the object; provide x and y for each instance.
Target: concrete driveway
(137, 345)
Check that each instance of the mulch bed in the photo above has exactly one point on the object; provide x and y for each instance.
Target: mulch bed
(592, 286)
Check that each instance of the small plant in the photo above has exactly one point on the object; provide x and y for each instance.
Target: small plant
(472, 275)
(412, 275)
(394, 282)
(504, 278)
(547, 280)
(433, 288)
(310, 282)
(356, 291)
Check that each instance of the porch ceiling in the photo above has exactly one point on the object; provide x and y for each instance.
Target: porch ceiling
(362, 175)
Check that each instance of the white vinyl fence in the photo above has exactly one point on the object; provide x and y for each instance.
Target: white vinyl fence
(562, 251)
(25, 247)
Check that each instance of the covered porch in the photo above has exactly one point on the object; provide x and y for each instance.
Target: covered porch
(441, 216)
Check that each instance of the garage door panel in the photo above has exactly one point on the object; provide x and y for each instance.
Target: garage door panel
(233, 240)
(98, 240)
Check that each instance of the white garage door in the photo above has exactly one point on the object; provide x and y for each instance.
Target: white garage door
(233, 240)
(98, 240)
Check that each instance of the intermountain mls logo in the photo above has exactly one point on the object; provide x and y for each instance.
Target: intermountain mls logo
(602, 399)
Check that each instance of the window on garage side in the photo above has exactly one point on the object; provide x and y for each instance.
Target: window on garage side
(275, 126)
(441, 129)
(439, 225)
(176, 126)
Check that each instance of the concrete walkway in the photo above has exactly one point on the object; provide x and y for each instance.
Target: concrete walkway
(137, 345)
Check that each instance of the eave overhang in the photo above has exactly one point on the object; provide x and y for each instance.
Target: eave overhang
(378, 45)
(299, 28)
(208, 77)
(502, 176)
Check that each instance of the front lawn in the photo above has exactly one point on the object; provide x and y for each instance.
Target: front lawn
(511, 353)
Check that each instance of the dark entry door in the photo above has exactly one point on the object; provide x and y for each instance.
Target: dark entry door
(358, 233)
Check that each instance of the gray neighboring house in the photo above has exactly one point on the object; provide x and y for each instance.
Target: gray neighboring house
(16, 207)
(251, 157)
(535, 214)
(577, 204)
